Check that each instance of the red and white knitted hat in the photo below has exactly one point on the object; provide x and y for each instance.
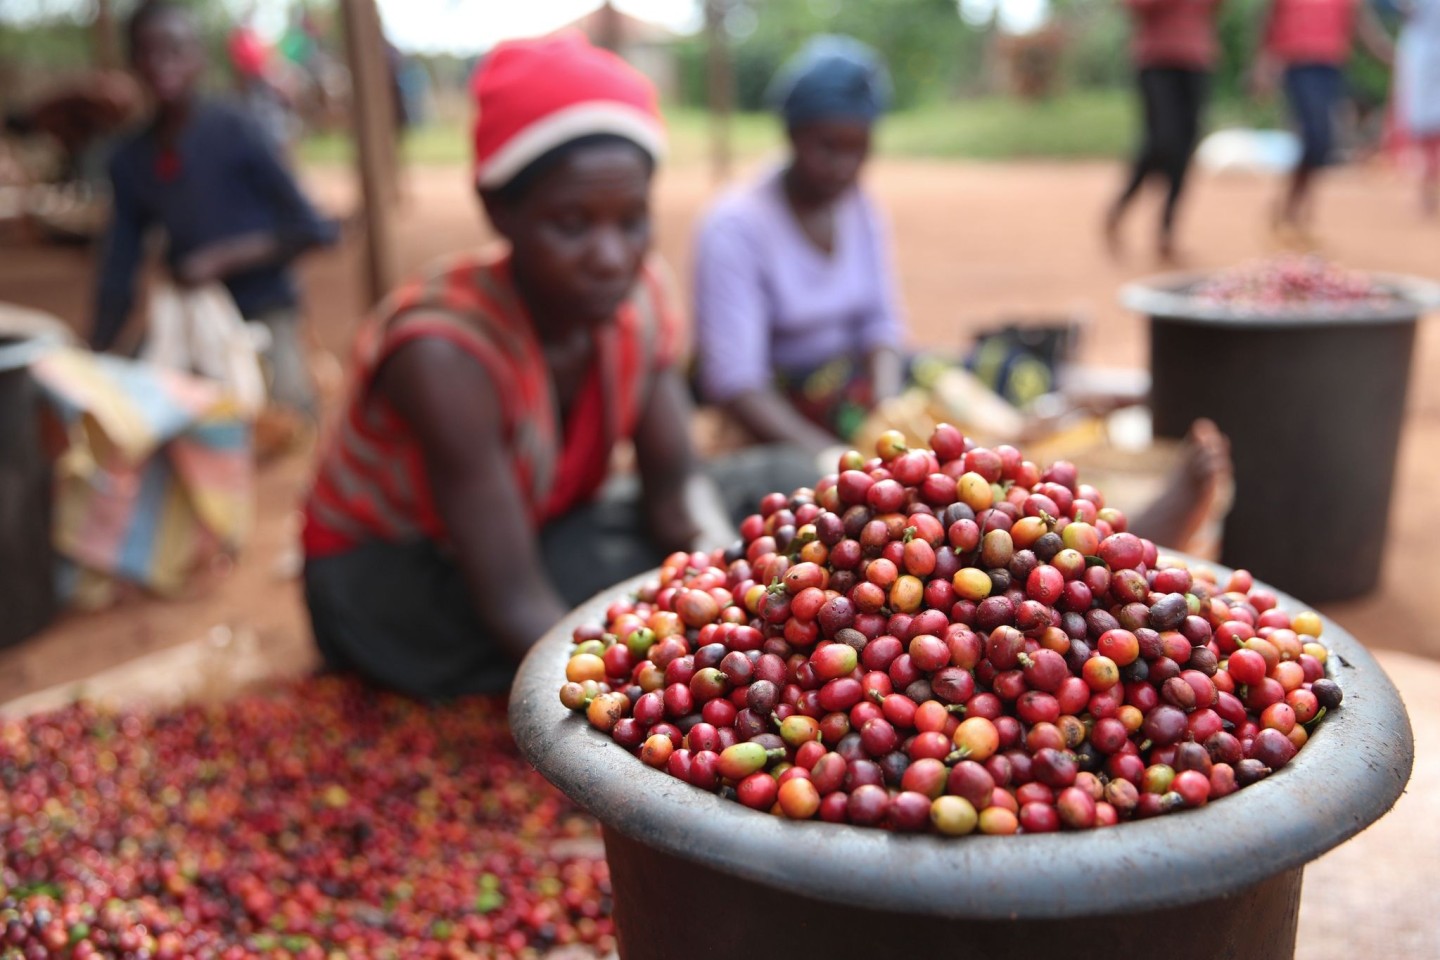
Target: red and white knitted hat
(535, 95)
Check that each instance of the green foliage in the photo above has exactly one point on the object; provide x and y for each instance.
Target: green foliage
(930, 51)
(61, 39)
(1073, 125)
(59, 42)
(1239, 26)
(1097, 51)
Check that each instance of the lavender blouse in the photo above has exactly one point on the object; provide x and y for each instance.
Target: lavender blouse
(768, 301)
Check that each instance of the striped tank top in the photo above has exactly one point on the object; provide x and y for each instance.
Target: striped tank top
(371, 482)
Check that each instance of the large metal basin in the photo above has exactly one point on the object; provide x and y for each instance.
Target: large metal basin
(696, 876)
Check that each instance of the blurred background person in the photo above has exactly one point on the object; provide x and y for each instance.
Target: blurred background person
(204, 173)
(261, 90)
(321, 80)
(1174, 47)
(1417, 94)
(1305, 46)
(798, 327)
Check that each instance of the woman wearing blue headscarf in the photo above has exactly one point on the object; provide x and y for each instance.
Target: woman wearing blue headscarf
(798, 326)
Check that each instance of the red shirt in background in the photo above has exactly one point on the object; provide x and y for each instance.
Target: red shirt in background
(1311, 31)
(1174, 33)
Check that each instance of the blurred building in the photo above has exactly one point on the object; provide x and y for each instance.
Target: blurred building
(648, 46)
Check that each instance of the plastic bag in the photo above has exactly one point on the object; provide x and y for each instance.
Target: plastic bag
(201, 331)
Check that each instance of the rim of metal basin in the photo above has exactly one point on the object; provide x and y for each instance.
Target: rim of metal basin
(1169, 297)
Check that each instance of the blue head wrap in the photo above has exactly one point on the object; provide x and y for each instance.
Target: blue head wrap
(831, 78)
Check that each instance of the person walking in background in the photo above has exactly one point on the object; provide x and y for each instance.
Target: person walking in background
(258, 90)
(1417, 94)
(1175, 48)
(1305, 46)
(203, 172)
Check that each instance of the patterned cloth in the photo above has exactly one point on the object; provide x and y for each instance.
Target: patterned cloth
(839, 396)
(371, 482)
(157, 475)
(1017, 364)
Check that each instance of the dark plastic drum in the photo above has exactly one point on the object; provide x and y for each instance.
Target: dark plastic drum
(1313, 403)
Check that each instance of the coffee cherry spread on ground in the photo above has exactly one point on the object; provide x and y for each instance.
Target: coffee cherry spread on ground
(1284, 284)
(322, 820)
(951, 640)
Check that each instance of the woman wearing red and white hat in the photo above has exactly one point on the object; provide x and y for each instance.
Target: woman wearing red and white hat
(457, 513)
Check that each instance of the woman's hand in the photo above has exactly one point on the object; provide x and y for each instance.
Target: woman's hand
(770, 418)
(202, 267)
(682, 507)
(216, 261)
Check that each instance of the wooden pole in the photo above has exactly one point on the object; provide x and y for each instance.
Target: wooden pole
(608, 27)
(373, 129)
(387, 107)
(105, 37)
(720, 86)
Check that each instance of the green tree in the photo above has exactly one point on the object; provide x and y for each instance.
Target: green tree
(930, 51)
(59, 38)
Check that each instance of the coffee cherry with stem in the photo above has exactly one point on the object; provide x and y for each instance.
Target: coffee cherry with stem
(743, 759)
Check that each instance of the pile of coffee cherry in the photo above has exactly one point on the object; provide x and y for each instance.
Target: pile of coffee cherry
(322, 819)
(951, 640)
(1282, 284)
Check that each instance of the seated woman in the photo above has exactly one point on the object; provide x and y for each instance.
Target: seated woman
(451, 520)
(798, 320)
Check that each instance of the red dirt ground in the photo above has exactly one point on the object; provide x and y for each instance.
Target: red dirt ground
(976, 242)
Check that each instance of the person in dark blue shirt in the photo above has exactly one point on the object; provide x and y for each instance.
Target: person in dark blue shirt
(205, 174)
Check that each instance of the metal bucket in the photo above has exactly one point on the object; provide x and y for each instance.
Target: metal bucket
(696, 876)
(1313, 403)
